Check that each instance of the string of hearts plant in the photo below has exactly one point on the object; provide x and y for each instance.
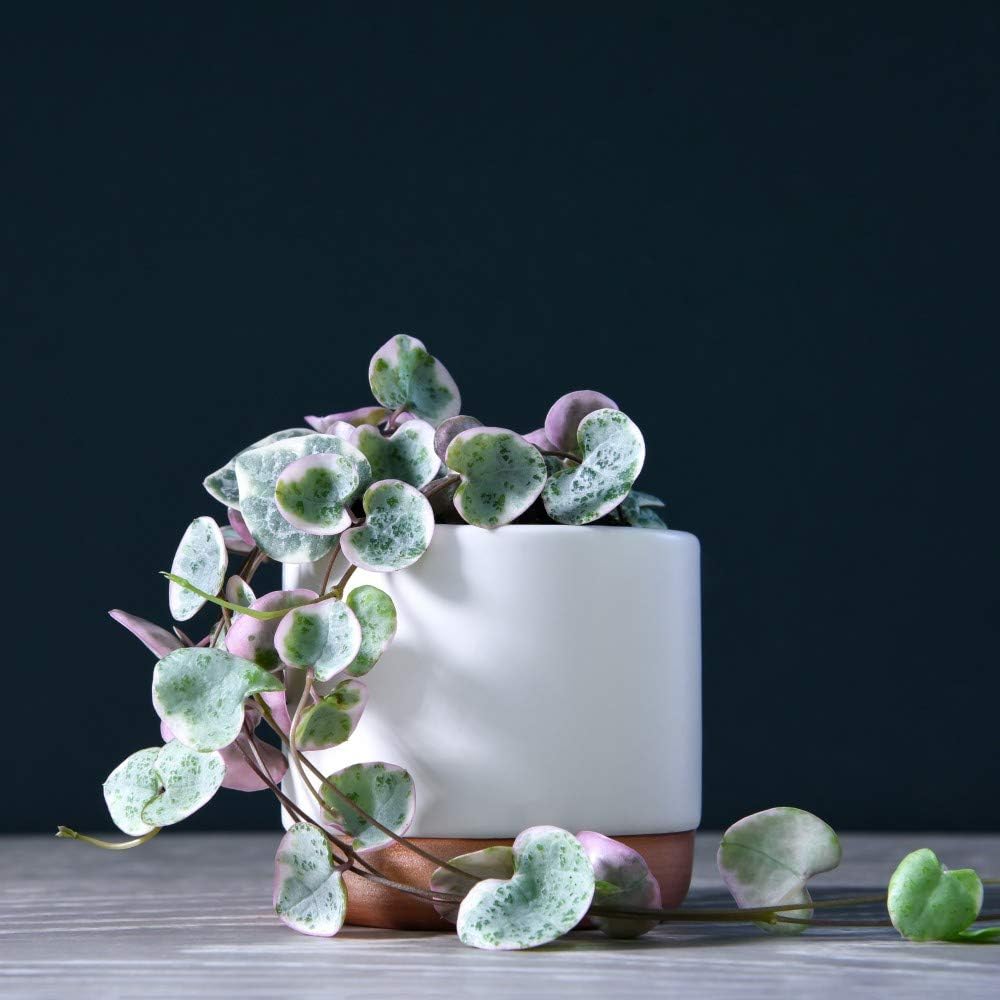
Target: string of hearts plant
(366, 487)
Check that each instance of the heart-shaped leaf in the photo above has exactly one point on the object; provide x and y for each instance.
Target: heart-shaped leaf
(239, 526)
(449, 429)
(238, 591)
(408, 455)
(928, 902)
(376, 615)
(399, 528)
(240, 776)
(383, 791)
(548, 895)
(160, 786)
(637, 510)
(258, 472)
(309, 892)
(613, 452)
(157, 640)
(311, 493)
(332, 719)
(491, 862)
(623, 879)
(502, 475)
(254, 639)
(222, 484)
(564, 417)
(199, 693)
(201, 558)
(356, 418)
(129, 787)
(326, 636)
(767, 858)
(188, 780)
(403, 374)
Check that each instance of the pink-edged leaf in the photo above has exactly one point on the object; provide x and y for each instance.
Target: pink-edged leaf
(311, 493)
(254, 639)
(157, 640)
(623, 880)
(362, 415)
(239, 525)
(277, 702)
(540, 440)
(565, 415)
(240, 776)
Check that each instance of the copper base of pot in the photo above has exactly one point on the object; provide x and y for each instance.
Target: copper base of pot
(669, 856)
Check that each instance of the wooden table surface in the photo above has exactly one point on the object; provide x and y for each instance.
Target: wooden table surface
(189, 915)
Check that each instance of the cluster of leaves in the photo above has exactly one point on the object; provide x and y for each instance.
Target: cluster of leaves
(366, 487)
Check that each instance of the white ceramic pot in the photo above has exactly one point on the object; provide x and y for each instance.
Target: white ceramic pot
(540, 674)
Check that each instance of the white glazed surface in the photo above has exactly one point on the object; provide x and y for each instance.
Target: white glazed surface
(540, 674)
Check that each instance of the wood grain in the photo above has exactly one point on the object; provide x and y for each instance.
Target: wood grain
(189, 915)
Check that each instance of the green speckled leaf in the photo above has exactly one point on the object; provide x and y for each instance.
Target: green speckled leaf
(548, 895)
(491, 862)
(502, 475)
(312, 492)
(613, 452)
(199, 694)
(331, 720)
(201, 558)
(767, 858)
(398, 531)
(188, 779)
(326, 636)
(238, 591)
(408, 455)
(309, 892)
(257, 473)
(636, 510)
(384, 791)
(377, 616)
(403, 374)
(222, 485)
(928, 902)
(129, 787)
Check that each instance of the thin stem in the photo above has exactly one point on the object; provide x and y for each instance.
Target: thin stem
(440, 484)
(293, 750)
(730, 913)
(390, 424)
(338, 591)
(329, 566)
(812, 922)
(107, 845)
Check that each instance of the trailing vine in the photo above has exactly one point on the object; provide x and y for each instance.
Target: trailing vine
(368, 486)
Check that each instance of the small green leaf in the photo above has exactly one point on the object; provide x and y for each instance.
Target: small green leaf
(502, 475)
(202, 559)
(490, 862)
(767, 858)
(331, 720)
(636, 510)
(979, 935)
(257, 473)
(311, 492)
(928, 902)
(309, 891)
(326, 636)
(383, 791)
(188, 779)
(222, 484)
(403, 375)
(613, 453)
(398, 531)
(377, 616)
(548, 895)
(408, 455)
(199, 694)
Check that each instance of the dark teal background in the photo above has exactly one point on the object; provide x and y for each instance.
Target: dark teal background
(770, 234)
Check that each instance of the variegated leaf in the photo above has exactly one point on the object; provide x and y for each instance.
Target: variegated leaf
(613, 452)
(312, 491)
(202, 559)
(548, 894)
(188, 780)
(408, 455)
(157, 640)
(398, 530)
(491, 862)
(354, 418)
(449, 429)
(383, 791)
(623, 879)
(325, 636)
(332, 719)
(257, 473)
(222, 484)
(637, 509)
(199, 693)
(502, 475)
(254, 639)
(563, 419)
(376, 615)
(403, 374)
(309, 892)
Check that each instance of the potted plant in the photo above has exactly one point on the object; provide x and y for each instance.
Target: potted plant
(474, 613)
